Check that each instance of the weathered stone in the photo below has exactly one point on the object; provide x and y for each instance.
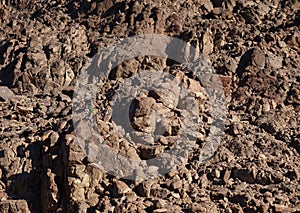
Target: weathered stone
(14, 206)
(207, 43)
(119, 188)
(258, 58)
(6, 94)
(282, 208)
(250, 16)
(253, 47)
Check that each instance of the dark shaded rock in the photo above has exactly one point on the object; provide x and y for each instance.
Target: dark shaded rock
(243, 175)
(249, 15)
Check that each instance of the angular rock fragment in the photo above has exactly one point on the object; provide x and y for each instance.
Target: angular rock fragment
(250, 16)
(119, 188)
(6, 94)
(258, 58)
(14, 206)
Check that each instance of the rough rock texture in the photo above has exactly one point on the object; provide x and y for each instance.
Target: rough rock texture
(254, 47)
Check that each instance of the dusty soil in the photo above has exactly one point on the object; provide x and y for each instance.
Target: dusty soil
(254, 48)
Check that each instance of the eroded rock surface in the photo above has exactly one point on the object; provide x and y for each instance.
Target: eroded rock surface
(252, 45)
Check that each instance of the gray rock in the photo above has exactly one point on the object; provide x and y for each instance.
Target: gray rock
(6, 94)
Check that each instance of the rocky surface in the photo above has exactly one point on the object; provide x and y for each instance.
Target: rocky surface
(253, 46)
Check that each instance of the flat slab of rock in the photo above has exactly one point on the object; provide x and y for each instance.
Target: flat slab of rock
(6, 94)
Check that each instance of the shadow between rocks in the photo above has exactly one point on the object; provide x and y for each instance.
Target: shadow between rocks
(25, 185)
(36, 187)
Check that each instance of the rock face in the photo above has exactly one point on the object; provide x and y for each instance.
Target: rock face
(14, 206)
(254, 49)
